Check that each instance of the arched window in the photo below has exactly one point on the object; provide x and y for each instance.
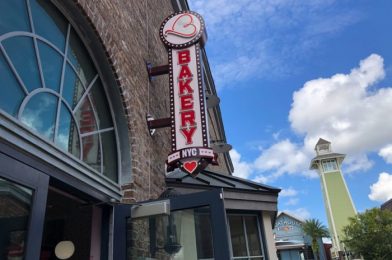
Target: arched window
(49, 83)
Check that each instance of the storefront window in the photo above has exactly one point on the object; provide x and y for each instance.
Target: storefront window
(15, 207)
(49, 83)
(245, 237)
(185, 234)
(68, 219)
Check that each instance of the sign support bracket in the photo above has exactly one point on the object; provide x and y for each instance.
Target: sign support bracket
(157, 70)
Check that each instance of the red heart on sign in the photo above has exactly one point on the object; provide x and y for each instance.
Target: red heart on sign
(183, 26)
(190, 166)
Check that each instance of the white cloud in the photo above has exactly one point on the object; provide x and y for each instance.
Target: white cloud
(382, 189)
(284, 157)
(281, 158)
(238, 68)
(241, 169)
(343, 109)
(386, 153)
(266, 38)
(301, 213)
(292, 202)
(289, 192)
(357, 163)
(36, 117)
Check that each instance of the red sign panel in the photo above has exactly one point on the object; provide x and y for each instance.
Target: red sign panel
(182, 33)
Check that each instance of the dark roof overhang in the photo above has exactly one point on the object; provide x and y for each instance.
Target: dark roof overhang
(238, 193)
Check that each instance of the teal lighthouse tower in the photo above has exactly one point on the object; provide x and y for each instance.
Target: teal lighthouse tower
(337, 199)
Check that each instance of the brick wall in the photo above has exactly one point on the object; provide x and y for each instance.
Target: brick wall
(129, 33)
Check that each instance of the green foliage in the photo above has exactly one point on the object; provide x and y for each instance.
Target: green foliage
(315, 229)
(370, 234)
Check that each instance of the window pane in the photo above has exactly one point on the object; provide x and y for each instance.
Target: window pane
(80, 59)
(51, 42)
(69, 219)
(109, 155)
(169, 237)
(14, 16)
(48, 22)
(73, 88)
(91, 151)
(11, 93)
(15, 209)
(101, 106)
(85, 116)
(203, 228)
(67, 136)
(252, 232)
(40, 114)
(237, 234)
(52, 64)
(330, 165)
(22, 54)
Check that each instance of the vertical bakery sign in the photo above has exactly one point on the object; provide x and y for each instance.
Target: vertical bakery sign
(184, 34)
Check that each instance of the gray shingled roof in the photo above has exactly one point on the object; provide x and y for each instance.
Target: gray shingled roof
(328, 155)
(322, 141)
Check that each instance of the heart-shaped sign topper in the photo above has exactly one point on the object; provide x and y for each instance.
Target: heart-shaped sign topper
(183, 26)
(182, 29)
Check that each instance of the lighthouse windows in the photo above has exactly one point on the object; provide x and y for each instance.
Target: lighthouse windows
(330, 165)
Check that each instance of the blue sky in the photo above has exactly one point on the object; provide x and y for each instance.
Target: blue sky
(291, 71)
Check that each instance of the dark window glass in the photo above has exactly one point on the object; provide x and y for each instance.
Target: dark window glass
(22, 54)
(11, 92)
(52, 64)
(14, 16)
(245, 237)
(91, 151)
(73, 88)
(68, 218)
(237, 234)
(205, 249)
(80, 59)
(40, 114)
(252, 233)
(109, 155)
(67, 136)
(15, 209)
(49, 23)
(101, 106)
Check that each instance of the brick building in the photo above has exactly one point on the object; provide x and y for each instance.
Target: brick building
(81, 175)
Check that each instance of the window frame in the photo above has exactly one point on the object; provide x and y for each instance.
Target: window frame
(20, 173)
(211, 198)
(259, 231)
(330, 165)
(104, 73)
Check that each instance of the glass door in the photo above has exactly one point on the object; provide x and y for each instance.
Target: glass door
(194, 230)
(23, 192)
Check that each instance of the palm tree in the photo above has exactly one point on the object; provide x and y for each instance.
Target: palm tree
(315, 229)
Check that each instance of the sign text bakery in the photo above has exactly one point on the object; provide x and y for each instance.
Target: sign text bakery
(184, 33)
